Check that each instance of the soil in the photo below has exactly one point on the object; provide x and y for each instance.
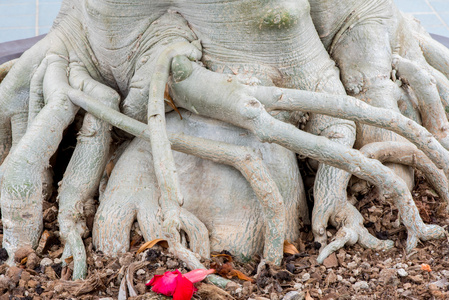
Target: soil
(351, 273)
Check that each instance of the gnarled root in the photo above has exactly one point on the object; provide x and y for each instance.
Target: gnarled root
(167, 37)
(14, 91)
(132, 193)
(242, 159)
(425, 87)
(21, 195)
(246, 111)
(83, 174)
(5, 125)
(407, 154)
(350, 108)
(351, 230)
(344, 216)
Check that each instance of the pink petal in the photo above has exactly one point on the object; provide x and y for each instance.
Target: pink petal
(198, 274)
(165, 284)
(184, 289)
(153, 280)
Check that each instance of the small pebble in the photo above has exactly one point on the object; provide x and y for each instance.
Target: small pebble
(140, 272)
(345, 282)
(365, 265)
(339, 278)
(46, 262)
(58, 261)
(400, 266)
(402, 272)
(171, 264)
(352, 265)
(294, 295)
(361, 285)
(305, 277)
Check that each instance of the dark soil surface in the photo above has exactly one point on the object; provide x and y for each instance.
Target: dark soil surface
(351, 273)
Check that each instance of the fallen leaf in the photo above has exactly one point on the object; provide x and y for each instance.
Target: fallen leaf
(151, 244)
(227, 256)
(426, 267)
(240, 275)
(227, 270)
(170, 102)
(223, 269)
(289, 248)
(109, 167)
(68, 260)
(24, 260)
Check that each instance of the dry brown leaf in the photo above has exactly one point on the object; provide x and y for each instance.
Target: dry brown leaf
(24, 260)
(240, 275)
(290, 248)
(109, 167)
(170, 102)
(223, 269)
(68, 260)
(151, 244)
(227, 256)
(228, 271)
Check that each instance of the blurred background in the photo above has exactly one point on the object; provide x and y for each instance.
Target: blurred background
(21, 19)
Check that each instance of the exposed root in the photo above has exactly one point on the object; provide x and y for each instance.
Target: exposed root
(83, 174)
(37, 101)
(247, 112)
(352, 109)
(351, 230)
(242, 159)
(432, 112)
(5, 67)
(21, 195)
(436, 54)
(349, 221)
(164, 164)
(407, 154)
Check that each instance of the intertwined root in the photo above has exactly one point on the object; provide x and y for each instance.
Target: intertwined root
(364, 48)
(132, 194)
(14, 91)
(82, 176)
(247, 112)
(409, 155)
(251, 168)
(52, 73)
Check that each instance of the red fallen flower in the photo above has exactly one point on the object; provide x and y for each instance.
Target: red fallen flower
(176, 284)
